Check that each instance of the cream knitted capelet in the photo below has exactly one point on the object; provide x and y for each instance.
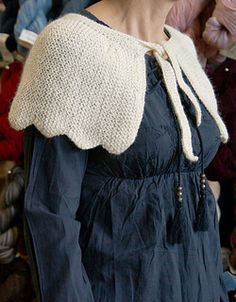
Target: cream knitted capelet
(88, 81)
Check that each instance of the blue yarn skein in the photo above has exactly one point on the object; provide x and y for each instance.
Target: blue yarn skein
(75, 6)
(32, 16)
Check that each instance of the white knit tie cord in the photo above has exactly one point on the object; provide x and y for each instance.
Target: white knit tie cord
(173, 75)
(187, 90)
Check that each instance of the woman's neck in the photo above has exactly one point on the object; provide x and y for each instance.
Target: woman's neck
(143, 19)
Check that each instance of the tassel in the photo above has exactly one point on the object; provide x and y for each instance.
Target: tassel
(202, 221)
(179, 229)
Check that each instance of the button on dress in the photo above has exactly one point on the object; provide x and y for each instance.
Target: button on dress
(97, 224)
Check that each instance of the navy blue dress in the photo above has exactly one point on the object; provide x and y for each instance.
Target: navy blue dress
(96, 224)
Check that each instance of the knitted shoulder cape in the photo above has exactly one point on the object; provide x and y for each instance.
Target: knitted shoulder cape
(88, 81)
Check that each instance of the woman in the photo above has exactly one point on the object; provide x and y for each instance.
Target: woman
(120, 123)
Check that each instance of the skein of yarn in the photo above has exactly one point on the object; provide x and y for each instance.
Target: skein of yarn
(7, 254)
(184, 12)
(6, 217)
(9, 237)
(9, 203)
(211, 24)
(32, 16)
(7, 245)
(221, 27)
(215, 35)
(15, 186)
(15, 278)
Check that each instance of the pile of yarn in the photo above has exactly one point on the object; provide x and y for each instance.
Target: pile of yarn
(10, 203)
(211, 24)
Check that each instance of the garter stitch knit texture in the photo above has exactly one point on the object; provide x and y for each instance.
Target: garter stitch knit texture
(88, 81)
